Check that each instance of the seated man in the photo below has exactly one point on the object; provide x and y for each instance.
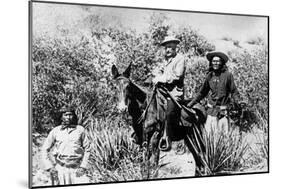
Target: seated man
(172, 77)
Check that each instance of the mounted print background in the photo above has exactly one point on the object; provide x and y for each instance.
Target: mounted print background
(73, 50)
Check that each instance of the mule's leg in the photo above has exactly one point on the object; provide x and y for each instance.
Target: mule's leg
(153, 148)
(194, 142)
(154, 153)
(145, 147)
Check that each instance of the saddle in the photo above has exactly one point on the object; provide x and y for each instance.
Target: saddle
(197, 116)
(189, 117)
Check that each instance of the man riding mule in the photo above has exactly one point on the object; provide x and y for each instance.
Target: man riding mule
(155, 117)
(171, 76)
(148, 117)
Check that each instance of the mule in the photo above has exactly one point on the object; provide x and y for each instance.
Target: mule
(148, 120)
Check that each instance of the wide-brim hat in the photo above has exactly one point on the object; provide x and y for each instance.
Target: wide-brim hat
(170, 39)
(220, 54)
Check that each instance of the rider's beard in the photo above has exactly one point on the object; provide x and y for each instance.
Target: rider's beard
(170, 55)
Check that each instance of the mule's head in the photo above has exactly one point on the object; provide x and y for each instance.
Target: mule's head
(123, 86)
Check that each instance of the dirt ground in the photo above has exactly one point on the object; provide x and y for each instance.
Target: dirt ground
(178, 162)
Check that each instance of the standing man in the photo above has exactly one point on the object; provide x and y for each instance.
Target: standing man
(70, 151)
(172, 77)
(220, 83)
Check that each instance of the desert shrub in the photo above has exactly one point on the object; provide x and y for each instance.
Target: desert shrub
(236, 43)
(136, 50)
(158, 28)
(193, 42)
(62, 74)
(197, 68)
(256, 41)
(226, 38)
(69, 71)
(251, 77)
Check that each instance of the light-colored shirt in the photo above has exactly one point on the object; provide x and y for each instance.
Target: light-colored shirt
(174, 69)
(69, 144)
(172, 74)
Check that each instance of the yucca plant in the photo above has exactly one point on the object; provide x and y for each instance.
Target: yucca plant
(224, 152)
(115, 157)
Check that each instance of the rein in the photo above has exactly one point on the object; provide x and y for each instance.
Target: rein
(143, 116)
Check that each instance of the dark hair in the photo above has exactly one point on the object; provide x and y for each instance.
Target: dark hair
(75, 117)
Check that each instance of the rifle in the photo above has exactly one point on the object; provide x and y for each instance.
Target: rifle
(54, 178)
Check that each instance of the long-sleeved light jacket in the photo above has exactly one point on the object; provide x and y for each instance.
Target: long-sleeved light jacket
(173, 75)
(70, 146)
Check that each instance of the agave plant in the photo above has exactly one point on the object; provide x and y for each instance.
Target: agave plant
(114, 155)
(224, 152)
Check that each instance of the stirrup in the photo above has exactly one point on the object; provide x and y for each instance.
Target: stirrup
(164, 144)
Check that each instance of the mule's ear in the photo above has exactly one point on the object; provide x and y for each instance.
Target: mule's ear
(114, 72)
(127, 72)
